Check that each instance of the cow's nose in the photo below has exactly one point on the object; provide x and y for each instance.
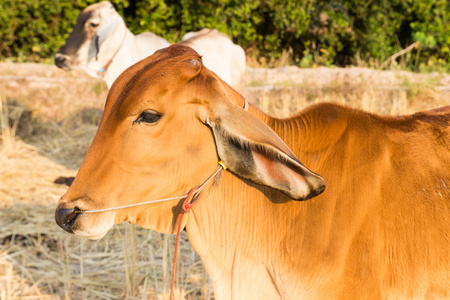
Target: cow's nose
(65, 218)
(61, 61)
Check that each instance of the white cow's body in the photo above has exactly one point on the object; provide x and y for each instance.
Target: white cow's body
(228, 62)
(102, 44)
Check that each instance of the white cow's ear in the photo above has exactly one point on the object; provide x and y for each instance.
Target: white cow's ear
(252, 150)
(106, 30)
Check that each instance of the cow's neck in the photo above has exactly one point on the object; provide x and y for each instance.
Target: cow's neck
(115, 54)
(244, 233)
(123, 58)
(248, 241)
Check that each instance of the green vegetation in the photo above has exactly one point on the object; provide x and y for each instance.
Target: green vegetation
(312, 32)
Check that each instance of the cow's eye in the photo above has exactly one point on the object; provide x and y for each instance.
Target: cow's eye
(148, 116)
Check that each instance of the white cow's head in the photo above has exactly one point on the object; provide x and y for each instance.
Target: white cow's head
(95, 25)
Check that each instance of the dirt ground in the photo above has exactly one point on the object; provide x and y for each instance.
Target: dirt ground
(49, 117)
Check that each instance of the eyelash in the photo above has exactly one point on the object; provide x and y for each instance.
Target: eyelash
(149, 117)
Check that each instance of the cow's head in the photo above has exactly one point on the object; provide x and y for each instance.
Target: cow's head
(95, 24)
(166, 123)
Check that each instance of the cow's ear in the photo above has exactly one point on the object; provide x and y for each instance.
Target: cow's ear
(252, 150)
(107, 29)
(191, 68)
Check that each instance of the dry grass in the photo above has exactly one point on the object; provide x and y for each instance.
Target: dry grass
(40, 261)
(48, 119)
(129, 263)
(284, 91)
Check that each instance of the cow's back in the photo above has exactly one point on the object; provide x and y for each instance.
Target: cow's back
(147, 43)
(386, 209)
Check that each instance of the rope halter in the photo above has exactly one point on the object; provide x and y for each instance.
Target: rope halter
(196, 195)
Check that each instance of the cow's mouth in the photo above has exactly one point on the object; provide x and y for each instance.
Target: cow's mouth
(90, 236)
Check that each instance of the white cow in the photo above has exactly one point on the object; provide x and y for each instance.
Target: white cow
(101, 44)
(219, 54)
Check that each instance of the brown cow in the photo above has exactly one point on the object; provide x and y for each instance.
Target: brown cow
(380, 230)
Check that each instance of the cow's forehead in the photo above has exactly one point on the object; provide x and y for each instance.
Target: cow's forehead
(93, 11)
(97, 6)
(165, 70)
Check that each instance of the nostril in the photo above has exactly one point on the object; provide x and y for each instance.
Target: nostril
(65, 218)
(70, 219)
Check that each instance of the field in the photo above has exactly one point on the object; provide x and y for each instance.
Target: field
(48, 118)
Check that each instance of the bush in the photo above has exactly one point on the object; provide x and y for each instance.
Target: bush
(34, 29)
(313, 32)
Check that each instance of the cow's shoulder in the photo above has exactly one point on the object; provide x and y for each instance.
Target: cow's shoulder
(327, 124)
(327, 115)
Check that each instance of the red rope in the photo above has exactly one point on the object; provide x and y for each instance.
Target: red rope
(187, 205)
(105, 68)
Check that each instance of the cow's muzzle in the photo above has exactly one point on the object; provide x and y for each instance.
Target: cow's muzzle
(63, 61)
(65, 218)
